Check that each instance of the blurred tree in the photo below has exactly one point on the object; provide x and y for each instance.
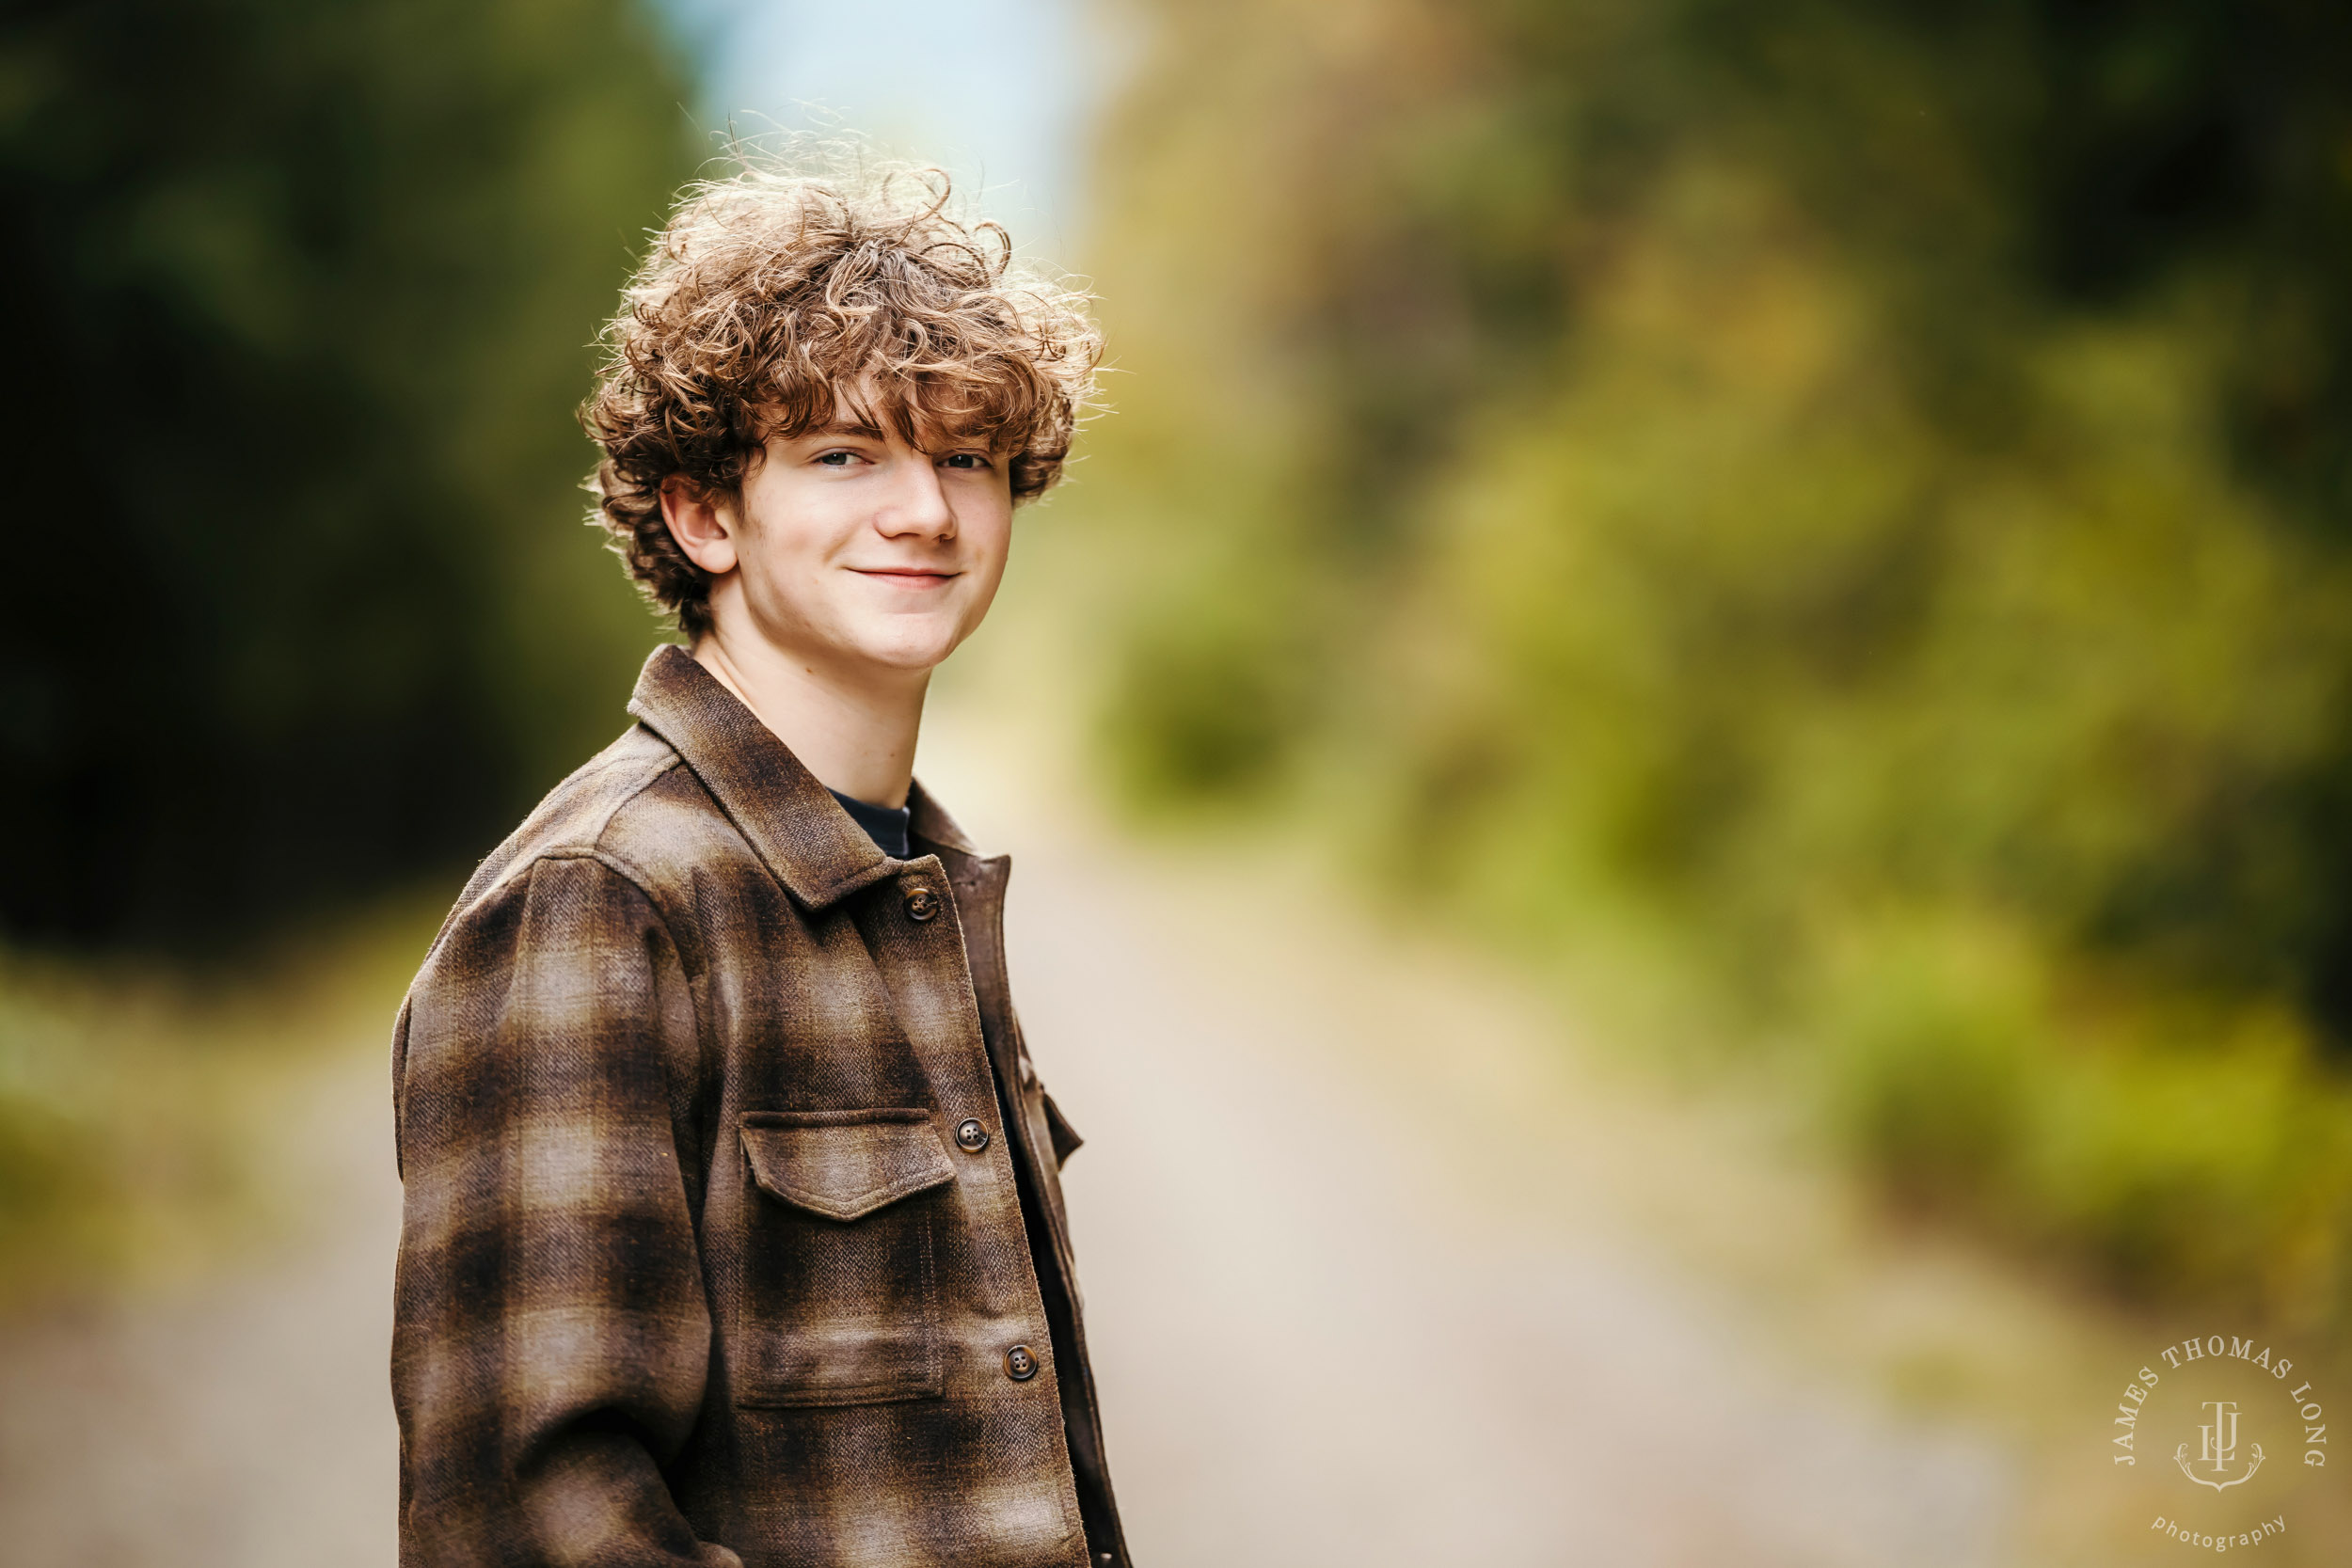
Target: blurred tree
(303, 294)
(1862, 486)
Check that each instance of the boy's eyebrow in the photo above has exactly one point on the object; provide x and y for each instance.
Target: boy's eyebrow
(869, 430)
(850, 427)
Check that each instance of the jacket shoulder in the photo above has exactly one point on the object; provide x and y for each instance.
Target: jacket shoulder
(635, 806)
(574, 816)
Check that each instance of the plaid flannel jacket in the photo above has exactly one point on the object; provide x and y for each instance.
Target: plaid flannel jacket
(733, 1228)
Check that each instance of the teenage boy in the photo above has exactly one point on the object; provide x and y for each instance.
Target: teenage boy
(734, 1228)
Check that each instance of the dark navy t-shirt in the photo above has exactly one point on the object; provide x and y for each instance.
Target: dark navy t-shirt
(885, 825)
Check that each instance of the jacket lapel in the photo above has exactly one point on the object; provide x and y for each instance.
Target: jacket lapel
(791, 821)
(929, 820)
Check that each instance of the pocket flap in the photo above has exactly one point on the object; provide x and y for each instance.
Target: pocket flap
(843, 1164)
(1066, 1139)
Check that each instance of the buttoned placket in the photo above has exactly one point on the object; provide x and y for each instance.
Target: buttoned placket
(982, 883)
(923, 900)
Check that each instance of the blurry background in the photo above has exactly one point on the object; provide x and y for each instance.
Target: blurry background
(1754, 601)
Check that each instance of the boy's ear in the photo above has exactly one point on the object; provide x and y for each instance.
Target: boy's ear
(701, 522)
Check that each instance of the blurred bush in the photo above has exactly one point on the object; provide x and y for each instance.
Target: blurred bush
(153, 1122)
(302, 298)
(1854, 492)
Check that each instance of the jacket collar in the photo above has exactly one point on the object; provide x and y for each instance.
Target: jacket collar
(930, 822)
(791, 821)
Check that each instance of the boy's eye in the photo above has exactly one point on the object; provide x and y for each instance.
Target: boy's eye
(965, 460)
(834, 459)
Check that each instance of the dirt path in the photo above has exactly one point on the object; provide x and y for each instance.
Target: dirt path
(243, 1422)
(1358, 1294)
(1347, 1302)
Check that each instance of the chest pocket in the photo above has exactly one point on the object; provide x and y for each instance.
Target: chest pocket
(840, 1305)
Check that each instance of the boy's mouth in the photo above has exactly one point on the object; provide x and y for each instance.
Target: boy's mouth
(907, 577)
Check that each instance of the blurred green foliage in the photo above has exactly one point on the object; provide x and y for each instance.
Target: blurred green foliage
(154, 1121)
(1856, 492)
(303, 296)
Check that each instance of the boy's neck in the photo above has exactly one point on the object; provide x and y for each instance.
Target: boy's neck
(855, 733)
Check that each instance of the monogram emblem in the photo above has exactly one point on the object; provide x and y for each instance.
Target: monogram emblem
(2220, 1448)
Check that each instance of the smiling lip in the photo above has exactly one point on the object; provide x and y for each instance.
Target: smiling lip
(909, 577)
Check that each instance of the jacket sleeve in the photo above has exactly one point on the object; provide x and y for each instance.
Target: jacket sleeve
(551, 1336)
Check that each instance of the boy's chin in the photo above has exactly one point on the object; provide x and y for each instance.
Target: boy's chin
(905, 654)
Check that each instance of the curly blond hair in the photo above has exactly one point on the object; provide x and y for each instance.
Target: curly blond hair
(770, 290)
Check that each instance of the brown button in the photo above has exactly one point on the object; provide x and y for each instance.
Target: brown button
(971, 1137)
(922, 904)
(1020, 1365)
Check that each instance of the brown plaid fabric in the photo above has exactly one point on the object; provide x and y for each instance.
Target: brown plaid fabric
(721, 1246)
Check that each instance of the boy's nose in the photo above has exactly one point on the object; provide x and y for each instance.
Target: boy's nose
(918, 504)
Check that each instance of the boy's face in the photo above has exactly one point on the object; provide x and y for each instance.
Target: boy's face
(851, 550)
